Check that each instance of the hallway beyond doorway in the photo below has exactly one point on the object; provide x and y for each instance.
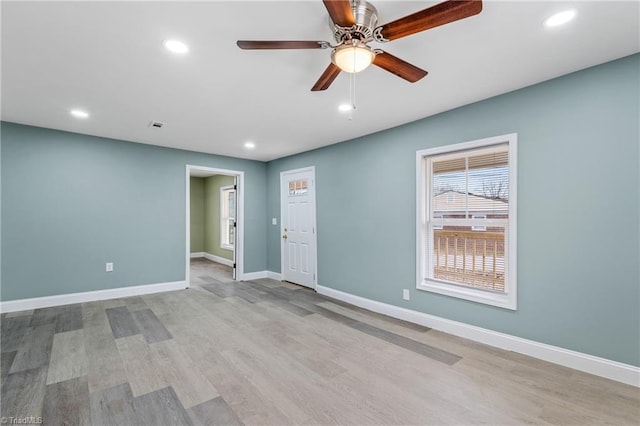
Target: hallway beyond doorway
(202, 270)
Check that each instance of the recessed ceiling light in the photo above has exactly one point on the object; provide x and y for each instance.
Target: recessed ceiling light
(249, 145)
(176, 46)
(79, 113)
(345, 107)
(560, 18)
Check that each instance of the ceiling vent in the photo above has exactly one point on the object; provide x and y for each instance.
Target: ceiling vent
(156, 124)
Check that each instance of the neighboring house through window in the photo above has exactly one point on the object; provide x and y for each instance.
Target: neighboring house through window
(479, 227)
(466, 220)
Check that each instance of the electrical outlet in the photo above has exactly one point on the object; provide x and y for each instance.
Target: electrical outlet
(405, 294)
(108, 267)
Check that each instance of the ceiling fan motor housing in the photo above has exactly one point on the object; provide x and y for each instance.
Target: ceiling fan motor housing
(366, 19)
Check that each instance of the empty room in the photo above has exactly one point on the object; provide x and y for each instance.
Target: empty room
(320, 212)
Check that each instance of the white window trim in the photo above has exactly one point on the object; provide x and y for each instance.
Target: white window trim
(508, 299)
(223, 219)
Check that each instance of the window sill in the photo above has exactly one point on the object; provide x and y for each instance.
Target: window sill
(226, 247)
(506, 301)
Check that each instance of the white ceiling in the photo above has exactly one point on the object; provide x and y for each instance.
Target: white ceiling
(108, 58)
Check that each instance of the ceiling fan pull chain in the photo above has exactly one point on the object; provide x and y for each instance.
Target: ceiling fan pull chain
(352, 90)
(352, 94)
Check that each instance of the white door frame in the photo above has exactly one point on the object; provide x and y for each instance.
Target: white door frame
(239, 248)
(311, 169)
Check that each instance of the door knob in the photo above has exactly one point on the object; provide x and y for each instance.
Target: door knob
(285, 236)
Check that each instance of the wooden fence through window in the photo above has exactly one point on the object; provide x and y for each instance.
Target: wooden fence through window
(472, 258)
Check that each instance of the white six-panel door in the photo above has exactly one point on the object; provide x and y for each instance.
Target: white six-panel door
(298, 226)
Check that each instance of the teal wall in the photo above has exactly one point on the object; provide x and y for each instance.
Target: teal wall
(212, 215)
(578, 211)
(197, 214)
(72, 202)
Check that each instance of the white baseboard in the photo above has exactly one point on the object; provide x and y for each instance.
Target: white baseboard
(262, 274)
(212, 257)
(88, 296)
(218, 259)
(609, 369)
(248, 276)
(274, 275)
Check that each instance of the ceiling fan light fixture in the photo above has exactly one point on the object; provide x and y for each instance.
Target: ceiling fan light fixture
(352, 58)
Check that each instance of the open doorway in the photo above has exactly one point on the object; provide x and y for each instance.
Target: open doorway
(214, 225)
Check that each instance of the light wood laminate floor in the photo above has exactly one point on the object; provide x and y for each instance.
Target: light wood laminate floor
(267, 352)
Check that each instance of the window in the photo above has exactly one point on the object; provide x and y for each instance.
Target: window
(466, 242)
(227, 217)
(298, 187)
(437, 216)
(479, 227)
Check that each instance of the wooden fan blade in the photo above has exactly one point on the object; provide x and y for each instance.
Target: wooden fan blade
(326, 78)
(434, 16)
(281, 44)
(397, 66)
(340, 12)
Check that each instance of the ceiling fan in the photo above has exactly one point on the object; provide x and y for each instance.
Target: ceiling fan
(355, 25)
